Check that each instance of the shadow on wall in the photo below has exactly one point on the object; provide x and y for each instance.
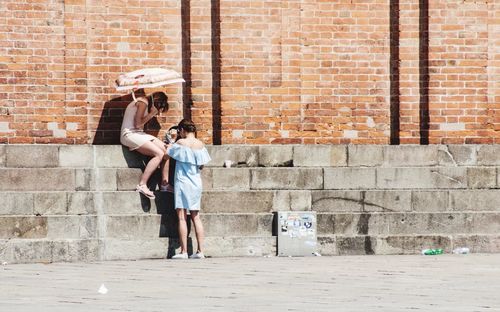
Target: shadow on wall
(110, 122)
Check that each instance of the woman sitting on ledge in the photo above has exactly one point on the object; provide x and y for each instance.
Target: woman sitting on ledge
(137, 114)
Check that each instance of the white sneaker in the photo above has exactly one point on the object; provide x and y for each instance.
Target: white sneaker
(198, 255)
(180, 256)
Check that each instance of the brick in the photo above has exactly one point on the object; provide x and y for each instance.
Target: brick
(37, 179)
(436, 201)
(458, 155)
(474, 200)
(421, 178)
(76, 156)
(23, 227)
(32, 156)
(16, 204)
(292, 200)
(410, 156)
(231, 179)
(388, 201)
(488, 155)
(3, 155)
(276, 156)
(53, 203)
(284, 178)
(319, 156)
(349, 178)
(237, 201)
(364, 155)
(133, 227)
(238, 224)
(480, 178)
(337, 201)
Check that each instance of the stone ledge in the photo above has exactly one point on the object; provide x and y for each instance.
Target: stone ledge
(335, 245)
(117, 156)
(405, 223)
(250, 201)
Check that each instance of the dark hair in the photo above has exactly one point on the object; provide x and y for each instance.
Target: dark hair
(187, 125)
(159, 100)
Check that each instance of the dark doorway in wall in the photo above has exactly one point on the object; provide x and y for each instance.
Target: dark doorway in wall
(394, 72)
(187, 100)
(216, 73)
(424, 70)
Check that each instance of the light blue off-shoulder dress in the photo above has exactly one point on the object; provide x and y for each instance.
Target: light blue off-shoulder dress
(187, 179)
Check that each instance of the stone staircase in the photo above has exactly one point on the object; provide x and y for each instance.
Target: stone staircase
(74, 203)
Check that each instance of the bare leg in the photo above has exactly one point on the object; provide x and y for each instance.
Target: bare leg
(182, 216)
(198, 227)
(150, 149)
(164, 165)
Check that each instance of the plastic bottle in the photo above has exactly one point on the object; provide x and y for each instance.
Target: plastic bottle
(429, 252)
(461, 251)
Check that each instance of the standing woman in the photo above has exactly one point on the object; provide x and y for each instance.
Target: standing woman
(137, 114)
(190, 155)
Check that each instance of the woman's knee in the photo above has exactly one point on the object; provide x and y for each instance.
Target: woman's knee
(195, 216)
(159, 154)
(181, 214)
(160, 145)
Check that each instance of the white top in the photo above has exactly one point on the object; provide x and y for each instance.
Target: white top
(129, 117)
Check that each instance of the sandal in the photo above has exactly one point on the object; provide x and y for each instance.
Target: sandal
(143, 189)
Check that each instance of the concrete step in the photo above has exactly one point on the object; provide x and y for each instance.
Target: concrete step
(73, 250)
(238, 224)
(333, 245)
(113, 179)
(80, 227)
(116, 156)
(251, 201)
(86, 250)
(83, 203)
(409, 223)
(224, 224)
(129, 226)
(45, 250)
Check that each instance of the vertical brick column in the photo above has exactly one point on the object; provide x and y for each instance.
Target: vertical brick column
(459, 76)
(345, 72)
(494, 70)
(75, 88)
(288, 116)
(201, 67)
(8, 67)
(32, 45)
(409, 71)
(251, 69)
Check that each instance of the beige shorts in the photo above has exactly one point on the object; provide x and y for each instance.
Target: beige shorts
(135, 139)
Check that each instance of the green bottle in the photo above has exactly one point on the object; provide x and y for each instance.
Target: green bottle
(428, 252)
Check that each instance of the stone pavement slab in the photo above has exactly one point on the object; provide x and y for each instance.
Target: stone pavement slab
(348, 283)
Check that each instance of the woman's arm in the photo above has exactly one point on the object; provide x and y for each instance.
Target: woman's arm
(140, 120)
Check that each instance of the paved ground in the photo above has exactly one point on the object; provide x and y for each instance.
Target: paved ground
(354, 283)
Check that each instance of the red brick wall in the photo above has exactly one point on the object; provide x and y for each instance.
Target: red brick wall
(295, 71)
